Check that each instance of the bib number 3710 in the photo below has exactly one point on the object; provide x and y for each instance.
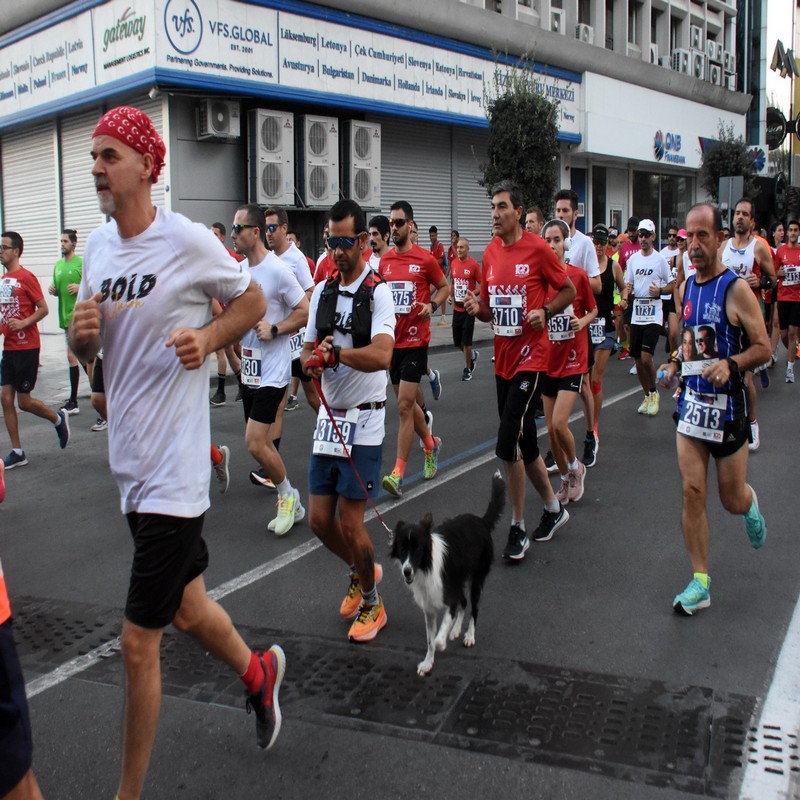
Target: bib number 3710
(506, 314)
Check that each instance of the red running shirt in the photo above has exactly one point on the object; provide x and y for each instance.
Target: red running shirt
(465, 276)
(569, 350)
(19, 293)
(515, 282)
(788, 286)
(410, 276)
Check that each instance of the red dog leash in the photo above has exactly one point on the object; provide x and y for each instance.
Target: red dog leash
(318, 386)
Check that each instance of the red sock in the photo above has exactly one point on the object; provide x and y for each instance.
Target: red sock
(216, 456)
(399, 467)
(429, 442)
(254, 677)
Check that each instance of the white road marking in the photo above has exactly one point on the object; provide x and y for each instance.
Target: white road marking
(80, 663)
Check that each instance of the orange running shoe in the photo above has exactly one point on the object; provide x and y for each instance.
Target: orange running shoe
(369, 621)
(352, 600)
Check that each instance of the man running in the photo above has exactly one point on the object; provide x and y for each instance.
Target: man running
(410, 272)
(712, 415)
(518, 270)
(145, 297)
(788, 260)
(465, 276)
(22, 305)
(348, 346)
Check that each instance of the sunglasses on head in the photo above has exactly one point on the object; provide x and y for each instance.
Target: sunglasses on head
(238, 227)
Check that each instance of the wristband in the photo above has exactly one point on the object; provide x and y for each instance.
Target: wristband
(732, 366)
(547, 313)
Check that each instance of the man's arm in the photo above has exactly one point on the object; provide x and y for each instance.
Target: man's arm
(442, 293)
(376, 356)
(743, 309)
(40, 313)
(767, 265)
(192, 345)
(291, 324)
(565, 295)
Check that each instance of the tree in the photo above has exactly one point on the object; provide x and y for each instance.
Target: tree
(522, 136)
(726, 156)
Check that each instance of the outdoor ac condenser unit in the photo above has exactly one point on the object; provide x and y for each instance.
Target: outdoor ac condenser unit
(654, 54)
(318, 160)
(271, 157)
(361, 159)
(681, 61)
(698, 64)
(218, 119)
(558, 20)
(584, 33)
(696, 41)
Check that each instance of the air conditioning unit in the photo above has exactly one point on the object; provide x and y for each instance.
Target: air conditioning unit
(681, 61)
(714, 74)
(698, 65)
(728, 61)
(558, 21)
(584, 33)
(665, 61)
(218, 119)
(361, 158)
(714, 51)
(730, 81)
(654, 54)
(271, 157)
(318, 160)
(696, 41)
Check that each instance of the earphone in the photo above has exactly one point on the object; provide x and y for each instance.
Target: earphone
(564, 228)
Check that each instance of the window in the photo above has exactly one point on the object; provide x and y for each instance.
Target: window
(609, 24)
(674, 33)
(633, 23)
(584, 12)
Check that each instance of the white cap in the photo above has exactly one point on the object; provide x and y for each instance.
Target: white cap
(646, 225)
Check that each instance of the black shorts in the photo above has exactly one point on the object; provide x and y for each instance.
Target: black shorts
(627, 313)
(643, 339)
(297, 371)
(552, 386)
(408, 364)
(261, 405)
(169, 553)
(20, 368)
(517, 399)
(15, 726)
(738, 430)
(463, 328)
(788, 314)
(98, 384)
(667, 308)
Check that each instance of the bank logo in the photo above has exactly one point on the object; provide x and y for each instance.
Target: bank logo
(184, 25)
(658, 146)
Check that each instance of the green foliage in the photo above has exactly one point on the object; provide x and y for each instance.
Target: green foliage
(727, 156)
(522, 136)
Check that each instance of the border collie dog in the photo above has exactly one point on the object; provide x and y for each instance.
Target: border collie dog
(440, 563)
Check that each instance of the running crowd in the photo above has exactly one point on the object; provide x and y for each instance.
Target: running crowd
(560, 303)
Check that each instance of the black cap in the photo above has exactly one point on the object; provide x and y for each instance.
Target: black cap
(600, 233)
(633, 224)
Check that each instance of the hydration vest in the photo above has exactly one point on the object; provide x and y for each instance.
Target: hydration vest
(363, 306)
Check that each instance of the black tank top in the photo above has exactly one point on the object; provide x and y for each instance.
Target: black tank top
(605, 300)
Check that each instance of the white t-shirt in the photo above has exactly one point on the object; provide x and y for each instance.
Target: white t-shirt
(374, 260)
(641, 271)
(669, 253)
(158, 418)
(299, 264)
(582, 254)
(346, 387)
(283, 292)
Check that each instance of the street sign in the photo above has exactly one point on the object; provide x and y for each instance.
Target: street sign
(776, 128)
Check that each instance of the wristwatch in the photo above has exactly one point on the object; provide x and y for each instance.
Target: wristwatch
(434, 306)
(274, 331)
(547, 313)
(732, 366)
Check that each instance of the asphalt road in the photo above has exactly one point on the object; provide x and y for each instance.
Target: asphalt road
(583, 683)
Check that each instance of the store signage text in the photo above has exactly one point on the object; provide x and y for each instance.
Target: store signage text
(666, 147)
(128, 27)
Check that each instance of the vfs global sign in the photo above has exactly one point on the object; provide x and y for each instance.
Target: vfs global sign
(667, 147)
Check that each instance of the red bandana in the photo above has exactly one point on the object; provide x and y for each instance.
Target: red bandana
(134, 128)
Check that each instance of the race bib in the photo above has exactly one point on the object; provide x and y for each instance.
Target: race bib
(558, 326)
(597, 330)
(403, 296)
(326, 440)
(791, 276)
(251, 367)
(506, 314)
(296, 343)
(7, 286)
(644, 310)
(703, 416)
(460, 287)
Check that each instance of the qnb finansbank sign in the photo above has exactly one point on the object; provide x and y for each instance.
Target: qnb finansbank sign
(225, 45)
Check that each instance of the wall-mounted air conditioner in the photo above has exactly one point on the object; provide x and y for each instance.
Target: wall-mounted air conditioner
(271, 157)
(558, 22)
(681, 61)
(318, 160)
(665, 61)
(218, 119)
(728, 61)
(698, 65)
(730, 81)
(584, 33)
(714, 74)
(654, 54)
(696, 40)
(361, 160)
(714, 51)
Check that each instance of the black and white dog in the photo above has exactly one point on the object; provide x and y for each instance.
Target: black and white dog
(440, 564)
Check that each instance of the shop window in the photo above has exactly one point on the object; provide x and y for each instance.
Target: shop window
(599, 195)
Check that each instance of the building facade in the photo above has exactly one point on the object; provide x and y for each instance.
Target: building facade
(297, 104)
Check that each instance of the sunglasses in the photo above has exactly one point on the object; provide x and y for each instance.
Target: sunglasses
(237, 227)
(681, 238)
(5, 247)
(272, 227)
(645, 233)
(397, 223)
(341, 242)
